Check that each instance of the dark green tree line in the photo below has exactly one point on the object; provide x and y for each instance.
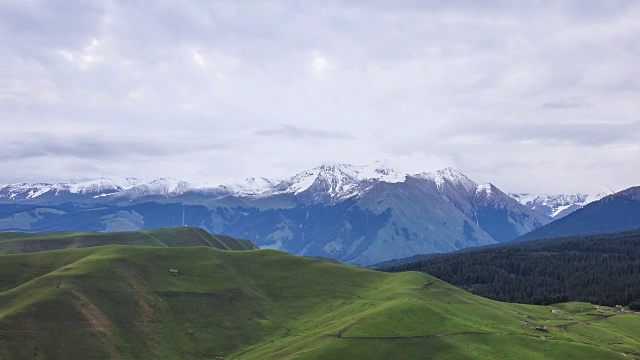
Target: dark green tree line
(600, 269)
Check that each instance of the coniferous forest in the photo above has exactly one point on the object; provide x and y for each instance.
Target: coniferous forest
(600, 269)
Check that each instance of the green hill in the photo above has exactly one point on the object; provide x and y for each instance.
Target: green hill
(178, 236)
(130, 302)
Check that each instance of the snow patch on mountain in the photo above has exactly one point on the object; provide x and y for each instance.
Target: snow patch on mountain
(38, 190)
(485, 188)
(451, 176)
(557, 206)
(101, 185)
(24, 190)
(340, 181)
(380, 171)
(167, 187)
(329, 182)
(250, 186)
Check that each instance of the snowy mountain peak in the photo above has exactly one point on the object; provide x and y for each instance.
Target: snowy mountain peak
(340, 180)
(168, 186)
(125, 182)
(489, 194)
(557, 206)
(380, 171)
(251, 186)
(335, 179)
(99, 186)
(328, 182)
(377, 171)
(485, 188)
(452, 176)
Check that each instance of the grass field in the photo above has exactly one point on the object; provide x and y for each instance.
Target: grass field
(122, 302)
(178, 236)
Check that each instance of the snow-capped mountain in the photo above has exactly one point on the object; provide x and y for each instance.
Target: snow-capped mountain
(337, 181)
(484, 203)
(103, 185)
(557, 206)
(451, 177)
(98, 187)
(362, 214)
(249, 186)
(613, 213)
(24, 190)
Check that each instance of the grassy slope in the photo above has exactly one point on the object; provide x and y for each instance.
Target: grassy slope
(122, 302)
(17, 242)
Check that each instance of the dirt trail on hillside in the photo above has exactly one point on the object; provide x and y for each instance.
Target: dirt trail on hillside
(340, 336)
(585, 322)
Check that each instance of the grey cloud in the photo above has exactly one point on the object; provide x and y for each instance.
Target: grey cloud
(582, 134)
(94, 147)
(293, 131)
(36, 27)
(564, 104)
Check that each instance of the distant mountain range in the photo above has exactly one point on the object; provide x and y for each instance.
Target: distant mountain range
(346, 185)
(362, 214)
(342, 181)
(557, 206)
(614, 213)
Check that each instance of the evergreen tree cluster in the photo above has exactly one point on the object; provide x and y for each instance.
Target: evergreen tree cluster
(600, 269)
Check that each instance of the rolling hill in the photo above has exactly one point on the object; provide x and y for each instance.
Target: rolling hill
(178, 236)
(131, 302)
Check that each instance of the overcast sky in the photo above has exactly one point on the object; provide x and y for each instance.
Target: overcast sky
(533, 96)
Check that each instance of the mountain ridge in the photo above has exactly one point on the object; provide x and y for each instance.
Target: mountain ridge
(342, 180)
(559, 205)
(364, 214)
(613, 213)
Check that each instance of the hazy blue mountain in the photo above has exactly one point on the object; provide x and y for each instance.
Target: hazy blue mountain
(557, 206)
(614, 213)
(363, 214)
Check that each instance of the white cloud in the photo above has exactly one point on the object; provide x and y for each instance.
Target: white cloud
(85, 57)
(320, 65)
(197, 57)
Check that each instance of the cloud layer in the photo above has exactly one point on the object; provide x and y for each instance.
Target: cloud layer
(532, 96)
